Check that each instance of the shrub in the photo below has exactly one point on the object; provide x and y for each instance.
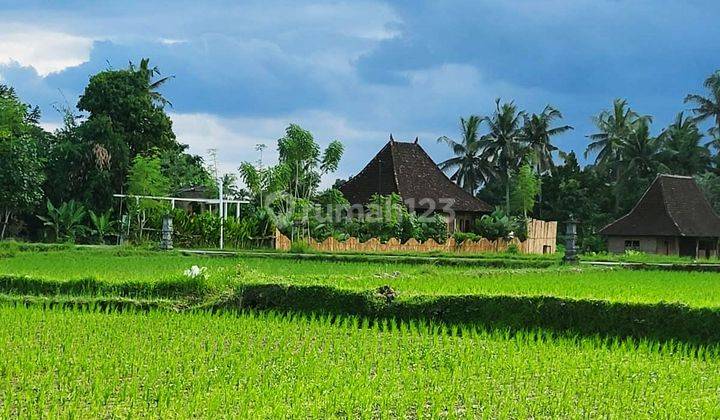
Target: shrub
(300, 246)
(65, 221)
(495, 225)
(203, 230)
(461, 237)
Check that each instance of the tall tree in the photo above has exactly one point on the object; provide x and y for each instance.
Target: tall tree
(503, 144)
(86, 163)
(526, 187)
(305, 162)
(641, 154)
(615, 128)
(684, 153)
(21, 163)
(470, 169)
(148, 74)
(538, 133)
(708, 107)
(135, 110)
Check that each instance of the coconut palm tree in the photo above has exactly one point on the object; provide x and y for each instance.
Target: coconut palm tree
(641, 154)
(470, 169)
(683, 153)
(615, 127)
(538, 136)
(152, 86)
(503, 145)
(708, 107)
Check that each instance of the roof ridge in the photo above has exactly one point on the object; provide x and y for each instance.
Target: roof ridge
(368, 164)
(665, 203)
(394, 167)
(657, 180)
(673, 176)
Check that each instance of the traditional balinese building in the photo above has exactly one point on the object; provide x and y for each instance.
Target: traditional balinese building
(673, 217)
(407, 170)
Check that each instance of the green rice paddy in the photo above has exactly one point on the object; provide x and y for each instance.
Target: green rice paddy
(170, 359)
(696, 289)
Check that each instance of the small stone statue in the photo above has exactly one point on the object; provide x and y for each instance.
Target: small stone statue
(166, 242)
(571, 241)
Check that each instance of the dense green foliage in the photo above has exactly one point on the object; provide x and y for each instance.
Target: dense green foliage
(89, 158)
(21, 163)
(123, 135)
(384, 217)
(128, 99)
(625, 156)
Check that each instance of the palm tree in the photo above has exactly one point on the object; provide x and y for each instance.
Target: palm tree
(469, 166)
(714, 142)
(641, 154)
(148, 73)
(615, 127)
(684, 153)
(503, 145)
(709, 107)
(538, 135)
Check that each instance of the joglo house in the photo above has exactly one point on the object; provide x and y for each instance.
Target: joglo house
(673, 217)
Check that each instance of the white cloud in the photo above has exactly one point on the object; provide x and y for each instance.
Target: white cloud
(45, 50)
(51, 126)
(172, 41)
(235, 138)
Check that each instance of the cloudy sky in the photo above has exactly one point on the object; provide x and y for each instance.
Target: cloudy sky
(360, 70)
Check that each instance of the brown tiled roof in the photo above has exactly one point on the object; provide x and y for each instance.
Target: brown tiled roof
(406, 169)
(671, 206)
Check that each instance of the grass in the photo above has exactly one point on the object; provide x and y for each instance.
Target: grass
(72, 363)
(641, 257)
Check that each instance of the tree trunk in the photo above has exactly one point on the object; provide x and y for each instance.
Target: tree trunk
(5, 223)
(507, 192)
(617, 190)
(540, 197)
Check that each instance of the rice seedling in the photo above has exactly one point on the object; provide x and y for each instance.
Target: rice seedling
(146, 271)
(91, 363)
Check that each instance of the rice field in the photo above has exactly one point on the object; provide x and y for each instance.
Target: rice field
(85, 359)
(695, 289)
(72, 363)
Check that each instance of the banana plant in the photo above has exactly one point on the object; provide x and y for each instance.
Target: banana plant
(102, 225)
(65, 221)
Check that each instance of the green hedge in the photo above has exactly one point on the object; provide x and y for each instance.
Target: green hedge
(117, 304)
(496, 262)
(181, 287)
(660, 321)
